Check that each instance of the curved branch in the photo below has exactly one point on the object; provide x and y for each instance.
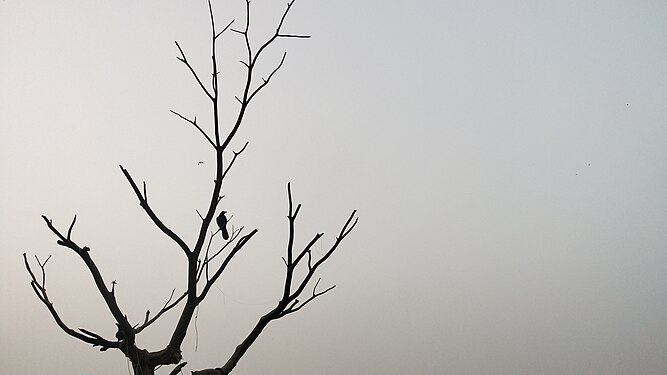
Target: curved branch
(143, 202)
(84, 253)
(40, 290)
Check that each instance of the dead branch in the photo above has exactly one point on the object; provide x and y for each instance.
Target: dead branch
(289, 303)
(204, 263)
(265, 81)
(185, 61)
(239, 245)
(295, 304)
(290, 294)
(306, 250)
(236, 154)
(40, 290)
(84, 253)
(143, 202)
(194, 123)
(167, 306)
(178, 368)
(250, 64)
(197, 266)
(312, 268)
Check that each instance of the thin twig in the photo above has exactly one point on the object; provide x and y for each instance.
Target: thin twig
(266, 81)
(239, 245)
(163, 310)
(185, 61)
(236, 154)
(194, 123)
(223, 30)
(71, 226)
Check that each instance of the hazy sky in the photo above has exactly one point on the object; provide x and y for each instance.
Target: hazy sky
(507, 159)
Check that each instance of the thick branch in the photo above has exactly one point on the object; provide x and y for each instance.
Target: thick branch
(193, 256)
(84, 253)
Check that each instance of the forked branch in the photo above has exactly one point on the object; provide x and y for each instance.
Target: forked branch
(248, 93)
(185, 61)
(39, 287)
(167, 306)
(143, 202)
(289, 303)
(239, 245)
(265, 81)
(204, 263)
(194, 123)
(84, 254)
(293, 289)
(296, 306)
(235, 155)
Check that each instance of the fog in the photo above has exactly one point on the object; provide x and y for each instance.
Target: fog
(507, 160)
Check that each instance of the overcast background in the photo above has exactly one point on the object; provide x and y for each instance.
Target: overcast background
(507, 159)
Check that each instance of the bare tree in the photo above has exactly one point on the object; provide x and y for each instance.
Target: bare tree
(205, 263)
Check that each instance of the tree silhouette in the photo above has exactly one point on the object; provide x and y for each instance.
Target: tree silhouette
(205, 265)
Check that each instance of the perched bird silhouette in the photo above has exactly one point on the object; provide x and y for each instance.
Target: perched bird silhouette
(222, 224)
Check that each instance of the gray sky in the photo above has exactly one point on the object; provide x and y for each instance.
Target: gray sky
(507, 160)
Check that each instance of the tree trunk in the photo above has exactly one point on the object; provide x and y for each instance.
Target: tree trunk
(141, 365)
(143, 369)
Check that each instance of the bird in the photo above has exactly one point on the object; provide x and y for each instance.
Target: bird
(222, 224)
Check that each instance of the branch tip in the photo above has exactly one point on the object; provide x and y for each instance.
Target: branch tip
(69, 231)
